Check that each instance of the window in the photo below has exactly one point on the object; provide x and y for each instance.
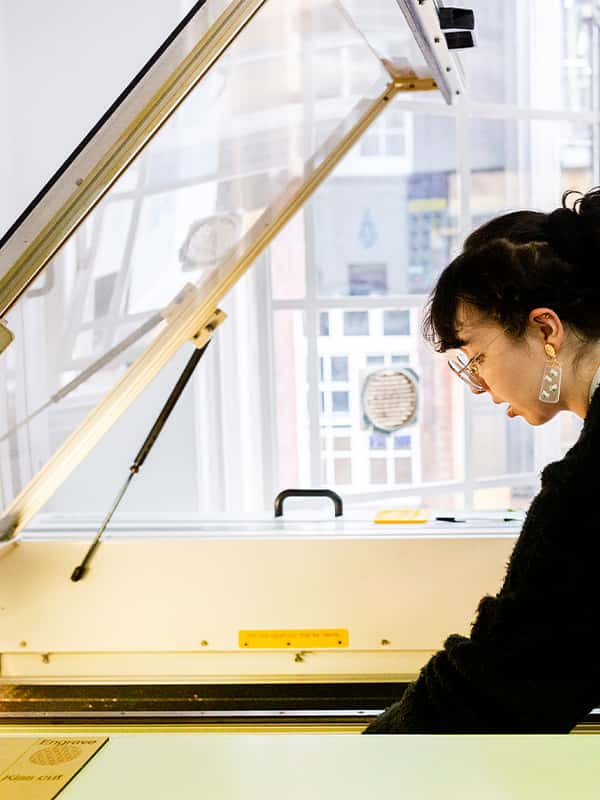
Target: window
(403, 470)
(386, 136)
(378, 467)
(342, 443)
(378, 441)
(383, 235)
(342, 471)
(375, 361)
(340, 402)
(396, 323)
(356, 323)
(367, 278)
(339, 368)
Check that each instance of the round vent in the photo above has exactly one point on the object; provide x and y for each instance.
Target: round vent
(209, 240)
(389, 398)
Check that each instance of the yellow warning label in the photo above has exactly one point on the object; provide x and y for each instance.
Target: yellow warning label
(295, 640)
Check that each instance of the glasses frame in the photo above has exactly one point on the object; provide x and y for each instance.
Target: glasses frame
(469, 372)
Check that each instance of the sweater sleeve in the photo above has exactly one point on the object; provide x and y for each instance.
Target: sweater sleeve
(517, 673)
(532, 661)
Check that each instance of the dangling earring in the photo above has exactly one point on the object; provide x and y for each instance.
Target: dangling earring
(550, 386)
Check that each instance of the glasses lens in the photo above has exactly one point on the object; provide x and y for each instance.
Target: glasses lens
(458, 364)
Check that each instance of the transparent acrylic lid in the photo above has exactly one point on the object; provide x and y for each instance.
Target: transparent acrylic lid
(189, 209)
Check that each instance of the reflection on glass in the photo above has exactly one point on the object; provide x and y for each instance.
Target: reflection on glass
(238, 144)
(389, 230)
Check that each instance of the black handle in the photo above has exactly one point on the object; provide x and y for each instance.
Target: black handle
(337, 500)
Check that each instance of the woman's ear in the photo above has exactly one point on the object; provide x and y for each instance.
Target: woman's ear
(548, 325)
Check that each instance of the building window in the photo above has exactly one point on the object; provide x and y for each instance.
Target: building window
(324, 323)
(342, 470)
(403, 470)
(375, 361)
(396, 323)
(340, 402)
(386, 136)
(342, 443)
(364, 279)
(339, 368)
(356, 323)
(377, 441)
(378, 468)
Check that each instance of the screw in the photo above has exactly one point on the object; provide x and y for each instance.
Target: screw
(23, 644)
(45, 658)
(298, 658)
(79, 181)
(458, 91)
(437, 40)
(448, 69)
(204, 643)
(384, 642)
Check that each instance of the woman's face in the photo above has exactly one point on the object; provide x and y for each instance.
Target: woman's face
(511, 370)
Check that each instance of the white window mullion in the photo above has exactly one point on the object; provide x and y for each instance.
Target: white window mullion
(463, 170)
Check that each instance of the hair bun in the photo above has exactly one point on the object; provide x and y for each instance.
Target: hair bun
(588, 208)
(574, 233)
(565, 232)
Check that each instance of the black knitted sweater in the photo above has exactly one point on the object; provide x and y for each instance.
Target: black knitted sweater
(532, 661)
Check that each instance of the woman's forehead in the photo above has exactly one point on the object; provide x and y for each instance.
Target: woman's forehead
(471, 324)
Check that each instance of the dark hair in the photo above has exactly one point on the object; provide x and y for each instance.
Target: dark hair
(521, 260)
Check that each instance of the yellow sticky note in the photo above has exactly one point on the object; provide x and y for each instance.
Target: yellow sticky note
(398, 515)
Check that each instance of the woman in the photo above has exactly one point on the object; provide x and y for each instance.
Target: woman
(522, 304)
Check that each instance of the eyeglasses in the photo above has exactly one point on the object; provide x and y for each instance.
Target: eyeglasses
(467, 369)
